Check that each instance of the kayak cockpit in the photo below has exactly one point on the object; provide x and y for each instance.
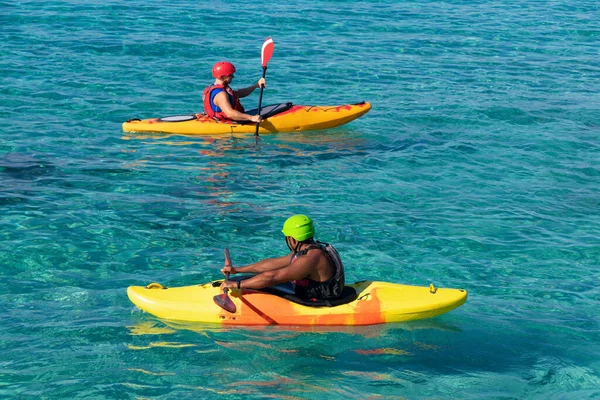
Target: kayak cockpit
(286, 291)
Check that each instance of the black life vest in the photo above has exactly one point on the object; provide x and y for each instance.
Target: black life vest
(331, 288)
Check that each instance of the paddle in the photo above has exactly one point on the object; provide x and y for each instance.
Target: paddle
(223, 300)
(265, 55)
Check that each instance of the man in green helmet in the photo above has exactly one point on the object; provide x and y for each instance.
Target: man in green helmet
(314, 268)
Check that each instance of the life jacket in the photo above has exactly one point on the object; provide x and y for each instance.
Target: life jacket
(215, 112)
(331, 288)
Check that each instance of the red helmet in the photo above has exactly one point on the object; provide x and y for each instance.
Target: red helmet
(223, 68)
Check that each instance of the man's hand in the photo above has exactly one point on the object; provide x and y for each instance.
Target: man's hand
(228, 285)
(228, 269)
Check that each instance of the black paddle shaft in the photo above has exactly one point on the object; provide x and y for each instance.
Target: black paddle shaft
(262, 87)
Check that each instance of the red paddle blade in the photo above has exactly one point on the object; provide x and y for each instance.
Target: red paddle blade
(223, 301)
(227, 258)
(266, 52)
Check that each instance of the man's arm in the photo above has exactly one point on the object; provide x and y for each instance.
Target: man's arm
(299, 269)
(222, 102)
(265, 265)
(246, 91)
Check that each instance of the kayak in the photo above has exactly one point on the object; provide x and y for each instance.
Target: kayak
(284, 117)
(366, 303)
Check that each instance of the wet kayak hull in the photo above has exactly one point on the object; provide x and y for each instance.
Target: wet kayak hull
(375, 303)
(297, 118)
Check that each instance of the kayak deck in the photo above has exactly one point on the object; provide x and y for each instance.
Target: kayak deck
(296, 118)
(376, 303)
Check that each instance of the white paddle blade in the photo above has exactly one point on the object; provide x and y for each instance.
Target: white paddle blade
(266, 52)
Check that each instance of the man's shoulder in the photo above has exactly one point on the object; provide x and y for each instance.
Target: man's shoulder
(316, 252)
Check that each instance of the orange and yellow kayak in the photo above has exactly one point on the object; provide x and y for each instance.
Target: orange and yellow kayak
(295, 118)
(374, 303)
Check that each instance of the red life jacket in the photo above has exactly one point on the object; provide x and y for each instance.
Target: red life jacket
(209, 106)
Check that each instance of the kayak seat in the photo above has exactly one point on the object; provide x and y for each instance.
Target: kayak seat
(348, 295)
(286, 290)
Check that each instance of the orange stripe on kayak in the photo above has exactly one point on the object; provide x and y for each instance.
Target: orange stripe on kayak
(268, 319)
(368, 311)
(251, 310)
(257, 308)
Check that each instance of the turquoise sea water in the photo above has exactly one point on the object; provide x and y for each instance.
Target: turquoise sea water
(477, 168)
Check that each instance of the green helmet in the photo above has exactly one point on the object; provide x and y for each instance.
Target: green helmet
(299, 226)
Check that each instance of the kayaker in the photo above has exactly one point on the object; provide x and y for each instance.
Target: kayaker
(314, 267)
(221, 101)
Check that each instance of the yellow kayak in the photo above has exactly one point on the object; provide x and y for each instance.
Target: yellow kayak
(371, 302)
(284, 118)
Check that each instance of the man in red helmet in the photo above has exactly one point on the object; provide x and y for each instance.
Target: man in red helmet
(223, 103)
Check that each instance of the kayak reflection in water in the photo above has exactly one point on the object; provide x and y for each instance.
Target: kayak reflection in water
(315, 268)
(221, 102)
